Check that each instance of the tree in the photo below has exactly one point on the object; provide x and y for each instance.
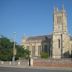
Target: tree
(22, 52)
(6, 50)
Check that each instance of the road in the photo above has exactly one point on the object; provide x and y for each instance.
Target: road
(11, 69)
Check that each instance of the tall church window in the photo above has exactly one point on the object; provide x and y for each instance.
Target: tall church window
(58, 43)
(45, 48)
(59, 22)
(59, 19)
(33, 50)
(39, 49)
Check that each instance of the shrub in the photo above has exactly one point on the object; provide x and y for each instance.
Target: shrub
(44, 55)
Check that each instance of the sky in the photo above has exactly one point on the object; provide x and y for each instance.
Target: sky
(30, 17)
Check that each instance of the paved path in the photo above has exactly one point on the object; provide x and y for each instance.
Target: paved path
(11, 69)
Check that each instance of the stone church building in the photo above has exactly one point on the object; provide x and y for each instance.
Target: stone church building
(58, 44)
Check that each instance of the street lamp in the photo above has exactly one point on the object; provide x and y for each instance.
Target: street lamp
(14, 48)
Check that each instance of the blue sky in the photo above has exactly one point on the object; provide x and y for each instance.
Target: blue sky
(30, 17)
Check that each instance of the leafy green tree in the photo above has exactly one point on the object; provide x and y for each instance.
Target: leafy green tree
(6, 50)
(22, 52)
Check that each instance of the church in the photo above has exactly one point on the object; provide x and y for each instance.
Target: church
(58, 44)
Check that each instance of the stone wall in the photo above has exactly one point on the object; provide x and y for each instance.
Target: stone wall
(52, 63)
(15, 63)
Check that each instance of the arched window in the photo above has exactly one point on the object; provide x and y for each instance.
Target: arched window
(45, 48)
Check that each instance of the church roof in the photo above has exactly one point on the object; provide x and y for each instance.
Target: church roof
(43, 37)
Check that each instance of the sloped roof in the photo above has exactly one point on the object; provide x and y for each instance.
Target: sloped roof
(43, 37)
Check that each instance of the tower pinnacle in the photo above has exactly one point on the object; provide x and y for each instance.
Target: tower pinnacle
(55, 9)
(63, 9)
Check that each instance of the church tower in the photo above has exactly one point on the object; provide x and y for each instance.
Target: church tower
(60, 38)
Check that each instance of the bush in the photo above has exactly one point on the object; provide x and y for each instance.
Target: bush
(44, 55)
